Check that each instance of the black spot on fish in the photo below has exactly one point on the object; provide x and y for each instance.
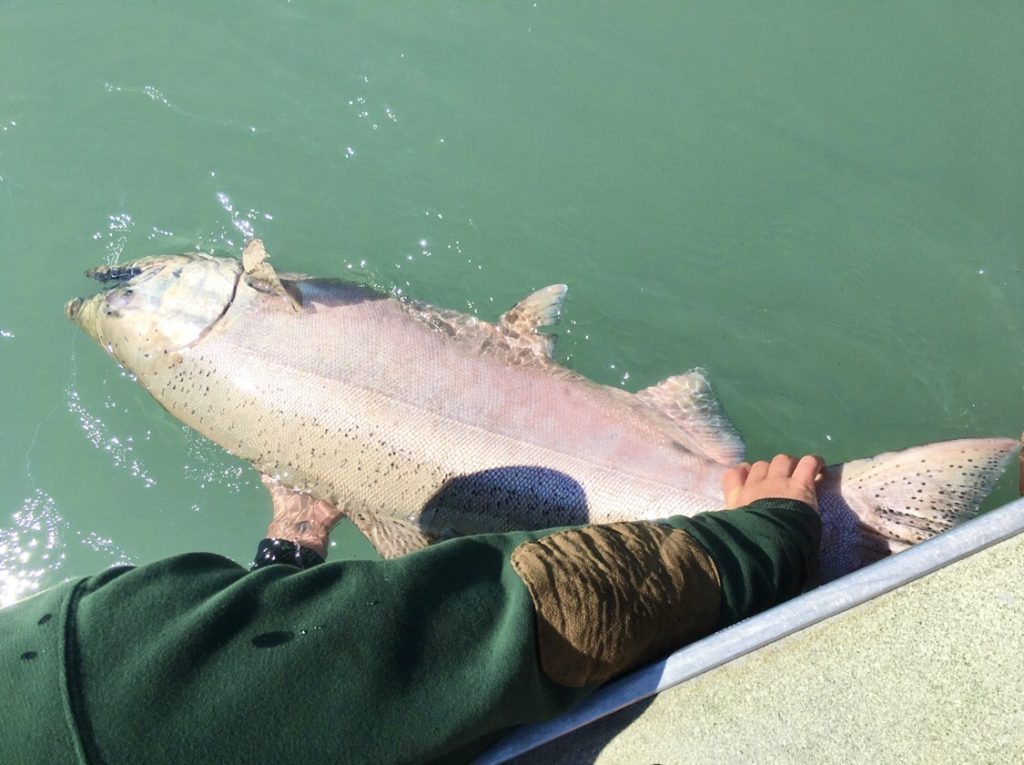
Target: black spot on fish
(29, 655)
(44, 618)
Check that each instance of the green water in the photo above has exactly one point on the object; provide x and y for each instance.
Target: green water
(820, 202)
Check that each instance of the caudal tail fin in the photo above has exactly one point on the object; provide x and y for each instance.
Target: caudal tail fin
(897, 499)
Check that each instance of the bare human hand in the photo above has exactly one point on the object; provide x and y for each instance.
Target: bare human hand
(300, 518)
(785, 477)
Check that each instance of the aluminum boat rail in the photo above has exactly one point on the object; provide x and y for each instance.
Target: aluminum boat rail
(772, 625)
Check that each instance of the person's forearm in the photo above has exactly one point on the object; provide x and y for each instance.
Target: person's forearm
(298, 532)
(609, 598)
(764, 553)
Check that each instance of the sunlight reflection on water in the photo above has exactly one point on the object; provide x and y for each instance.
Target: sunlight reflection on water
(205, 464)
(34, 547)
(121, 450)
(30, 548)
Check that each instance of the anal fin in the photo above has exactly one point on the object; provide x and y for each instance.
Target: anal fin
(391, 537)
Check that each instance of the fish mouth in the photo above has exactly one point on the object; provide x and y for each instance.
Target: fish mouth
(104, 274)
(177, 298)
(112, 275)
(72, 307)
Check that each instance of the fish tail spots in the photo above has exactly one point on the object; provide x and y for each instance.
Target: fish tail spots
(908, 496)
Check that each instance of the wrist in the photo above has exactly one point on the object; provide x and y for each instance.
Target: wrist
(308, 533)
(283, 551)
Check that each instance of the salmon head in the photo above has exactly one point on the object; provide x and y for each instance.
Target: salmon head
(155, 305)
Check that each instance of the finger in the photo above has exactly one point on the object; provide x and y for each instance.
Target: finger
(758, 471)
(735, 476)
(732, 483)
(782, 466)
(807, 469)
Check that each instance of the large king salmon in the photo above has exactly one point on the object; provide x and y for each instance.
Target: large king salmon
(420, 421)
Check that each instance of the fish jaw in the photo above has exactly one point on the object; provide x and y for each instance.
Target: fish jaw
(874, 507)
(155, 305)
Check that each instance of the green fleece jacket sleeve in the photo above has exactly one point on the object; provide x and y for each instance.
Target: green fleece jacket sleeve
(426, 657)
(764, 552)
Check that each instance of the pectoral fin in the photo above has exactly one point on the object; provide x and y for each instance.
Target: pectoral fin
(260, 275)
(389, 536)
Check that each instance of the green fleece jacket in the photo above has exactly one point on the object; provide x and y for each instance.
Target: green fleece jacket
(194, 659)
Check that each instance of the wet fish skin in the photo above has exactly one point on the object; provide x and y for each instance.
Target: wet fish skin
(395, 410)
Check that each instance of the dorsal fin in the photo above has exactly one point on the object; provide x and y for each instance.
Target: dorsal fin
(520, 323)
(513, 339)
(692, 415)
(260, 275)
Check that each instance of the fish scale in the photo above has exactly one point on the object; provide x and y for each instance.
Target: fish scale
(391, 440)
(421, 422)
